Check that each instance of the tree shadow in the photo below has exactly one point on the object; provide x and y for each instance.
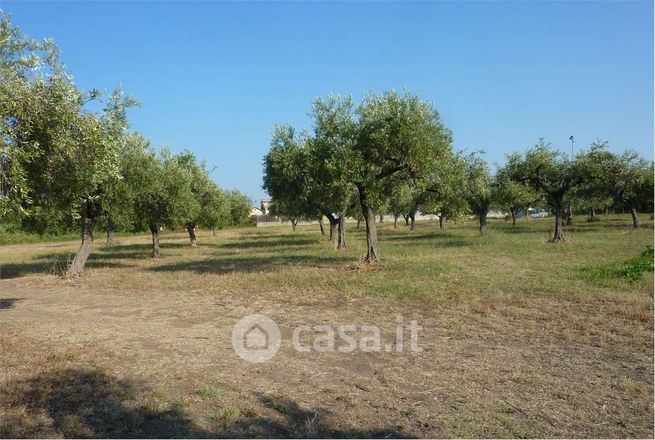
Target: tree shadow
(248, 263)
(439, 239)
(45, 265)
(310, 423)
(89, 403)
(85, 403)
(285, 241)
(8, 303)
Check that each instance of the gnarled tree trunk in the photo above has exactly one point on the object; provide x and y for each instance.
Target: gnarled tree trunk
(110, 232)
(412, 221)
(334, 222)
(635, 219)
(441, 218)
(342, 231)
(569, 216)
(558, 236)
(513, 212)
(482, 216)
(294, 223)
(320, 225)
(381, 218)
(77, 266)
(406, 217)
(372, 253)
(395, 221)
(154, 230)
(592, 214)
(192, 235)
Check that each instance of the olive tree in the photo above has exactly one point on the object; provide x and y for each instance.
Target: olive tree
(163, 196)
(399, 137)
(328, 152)
(627, 177)
(214, 209)
(58, 158)
(285, 174)
(480, 191)
(446, 185)
(399, 202)
(550, 173)
(512, 195)
(239, 207)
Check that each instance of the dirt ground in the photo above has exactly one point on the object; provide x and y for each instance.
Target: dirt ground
(83, 359)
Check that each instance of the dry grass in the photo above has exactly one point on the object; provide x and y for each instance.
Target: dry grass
(521, 338)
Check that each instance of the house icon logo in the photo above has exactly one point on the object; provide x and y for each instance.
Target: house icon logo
(256, 338)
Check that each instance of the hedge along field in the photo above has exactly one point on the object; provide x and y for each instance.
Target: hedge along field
(524, 337)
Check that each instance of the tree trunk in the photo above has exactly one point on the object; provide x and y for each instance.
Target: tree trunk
(294, 223)
(395, 221)
(592, 214)
(342, 231)
(558, 236)
(607, 211)
(483, 221)
(372, 254)
(77, 266)
(406, 217)
(110, 233)
(154, 230)
(635, 219)
(381, 218)
(513, 212)
(526, 214)
(320, 225)
(214, 232)
(441, 218)
(334, 222)
(358, 223)
(192, 235)
(412, 221)
(569, 216)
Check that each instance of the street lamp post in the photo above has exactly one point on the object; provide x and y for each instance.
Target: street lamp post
(569, 218)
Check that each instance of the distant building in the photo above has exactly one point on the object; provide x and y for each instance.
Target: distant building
(255, 213)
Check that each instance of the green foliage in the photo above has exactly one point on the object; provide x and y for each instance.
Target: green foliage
(285, 174)
(215, 210)
(446, 187)
(239, 207)
(400, 137)
(480, 191)
(512, 195)
(627, 178)
(546, 170)
(634, 268)
(163, 194)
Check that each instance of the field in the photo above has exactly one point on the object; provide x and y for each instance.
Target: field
(520, 338)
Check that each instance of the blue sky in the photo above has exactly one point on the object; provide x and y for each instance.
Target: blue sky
(214, 77)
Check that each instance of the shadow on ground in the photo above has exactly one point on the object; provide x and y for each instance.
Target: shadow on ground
(8, 303)
(44, 266)
(88, 403)
(441, 239)
(251, 263)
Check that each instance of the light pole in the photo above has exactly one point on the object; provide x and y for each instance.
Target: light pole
(572, 139)
(569, 218)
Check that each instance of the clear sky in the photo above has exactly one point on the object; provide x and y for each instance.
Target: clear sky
(214, 77)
